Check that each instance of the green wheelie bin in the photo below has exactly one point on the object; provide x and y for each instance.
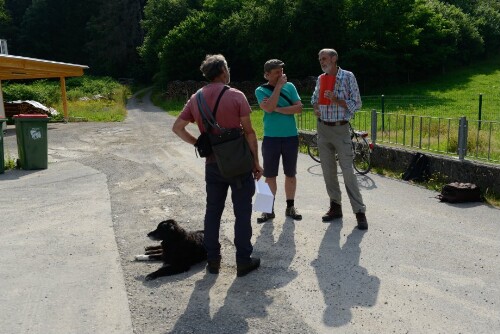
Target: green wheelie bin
(32, 145)
(2, 159)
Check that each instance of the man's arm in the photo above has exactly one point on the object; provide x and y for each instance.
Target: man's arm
(296, 108)
(251, 138)
(270, 104)
(179, 128)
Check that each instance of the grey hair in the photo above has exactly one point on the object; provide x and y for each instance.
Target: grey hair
(213, 66)
(330, 52)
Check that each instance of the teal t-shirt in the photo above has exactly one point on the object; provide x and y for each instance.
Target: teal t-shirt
(276, 124)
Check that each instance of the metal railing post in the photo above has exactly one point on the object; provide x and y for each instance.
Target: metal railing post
(479, 116)
(462, 138)
(374, 126)
(383, 111)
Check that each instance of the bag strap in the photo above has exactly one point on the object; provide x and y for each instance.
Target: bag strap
(271, 88)
(206, 114)
(226, 87)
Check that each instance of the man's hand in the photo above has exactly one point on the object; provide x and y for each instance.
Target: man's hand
(257, 171)
(281, 81)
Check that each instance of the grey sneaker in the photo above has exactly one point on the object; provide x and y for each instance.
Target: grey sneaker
(293, 213)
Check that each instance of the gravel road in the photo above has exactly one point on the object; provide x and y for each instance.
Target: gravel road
(422, 267)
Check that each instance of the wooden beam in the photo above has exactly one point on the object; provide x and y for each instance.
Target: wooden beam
(63, 97)
(17, 68)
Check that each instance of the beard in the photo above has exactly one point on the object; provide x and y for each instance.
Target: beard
(326, 68)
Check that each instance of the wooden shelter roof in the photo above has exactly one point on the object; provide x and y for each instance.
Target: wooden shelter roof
(15, 68)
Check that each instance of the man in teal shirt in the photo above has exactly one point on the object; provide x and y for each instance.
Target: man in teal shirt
(280, 101)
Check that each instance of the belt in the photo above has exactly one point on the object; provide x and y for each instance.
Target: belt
(333, 123)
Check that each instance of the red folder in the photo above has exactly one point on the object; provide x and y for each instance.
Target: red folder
(326, 82)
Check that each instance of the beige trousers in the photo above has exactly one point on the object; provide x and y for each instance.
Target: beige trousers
(336, 140)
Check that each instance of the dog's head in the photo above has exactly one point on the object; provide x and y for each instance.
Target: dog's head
(167, 230)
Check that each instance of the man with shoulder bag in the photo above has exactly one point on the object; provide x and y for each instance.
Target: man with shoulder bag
(232, 112)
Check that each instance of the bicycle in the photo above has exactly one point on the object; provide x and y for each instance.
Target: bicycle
(360, 147)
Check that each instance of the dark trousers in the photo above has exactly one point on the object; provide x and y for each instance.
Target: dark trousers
(241, 196)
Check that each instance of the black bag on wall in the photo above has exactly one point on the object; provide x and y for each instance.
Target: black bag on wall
(418, 169)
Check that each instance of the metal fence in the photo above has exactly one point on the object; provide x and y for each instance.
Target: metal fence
(457, 136)
(472, 106)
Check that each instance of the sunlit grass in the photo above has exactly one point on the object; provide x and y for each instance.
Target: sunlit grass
(95, 110)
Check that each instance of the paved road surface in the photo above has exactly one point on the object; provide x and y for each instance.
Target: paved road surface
(70, 232)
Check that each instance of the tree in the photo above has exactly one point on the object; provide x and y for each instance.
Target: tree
(200, 33)
(55, 29)
(447, 36)
(487, 20)
(5, 19)
(161, 16)
(10, 23)
(113, 37)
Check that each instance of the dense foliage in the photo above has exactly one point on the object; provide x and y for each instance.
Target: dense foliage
(382, 41)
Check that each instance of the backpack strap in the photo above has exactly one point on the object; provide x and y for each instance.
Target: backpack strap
(271, 88)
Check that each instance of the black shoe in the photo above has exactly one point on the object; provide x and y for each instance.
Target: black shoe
(265, 217)
(334, 212)
(243, 269)
(213, 266)
(293, 213)
(362, 222)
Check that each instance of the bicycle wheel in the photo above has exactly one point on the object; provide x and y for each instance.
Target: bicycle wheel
(361, 148)
(312, 148)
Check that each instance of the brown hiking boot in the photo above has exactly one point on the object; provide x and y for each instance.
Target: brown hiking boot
(293, 213)
(362, 222)
(334, 212)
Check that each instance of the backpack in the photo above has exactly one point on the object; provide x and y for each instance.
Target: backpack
(230, 147)
(418, 169)
(460, 192)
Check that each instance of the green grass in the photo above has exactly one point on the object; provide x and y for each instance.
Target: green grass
(95, 111)
(451, 94)
(109, 107)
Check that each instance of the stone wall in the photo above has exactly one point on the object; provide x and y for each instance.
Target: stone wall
(484, 175)
(184, 89)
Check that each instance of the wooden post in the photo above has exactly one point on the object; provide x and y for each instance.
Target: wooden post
(2, 110)
(63, 97)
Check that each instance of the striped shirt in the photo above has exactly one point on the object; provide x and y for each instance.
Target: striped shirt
(346, 88)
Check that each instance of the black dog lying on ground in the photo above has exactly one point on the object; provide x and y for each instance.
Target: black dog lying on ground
(179, 249)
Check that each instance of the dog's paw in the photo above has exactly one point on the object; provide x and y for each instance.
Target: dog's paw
(142, 257)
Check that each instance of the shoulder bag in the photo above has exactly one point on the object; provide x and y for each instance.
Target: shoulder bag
(229, 146)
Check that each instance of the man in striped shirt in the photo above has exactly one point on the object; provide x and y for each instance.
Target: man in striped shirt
(335, 100)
